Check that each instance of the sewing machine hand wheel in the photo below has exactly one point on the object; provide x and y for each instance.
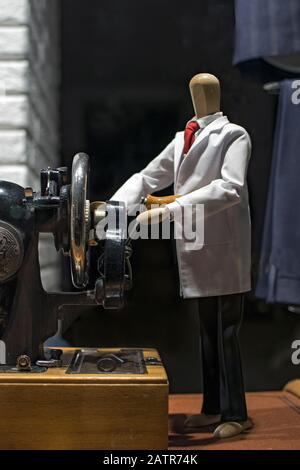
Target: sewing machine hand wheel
(79, 220)
(63, 209)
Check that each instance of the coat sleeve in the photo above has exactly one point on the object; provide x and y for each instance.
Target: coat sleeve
(227, 190)
(158, 175)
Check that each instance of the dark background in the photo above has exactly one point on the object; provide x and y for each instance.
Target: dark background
(125, 73)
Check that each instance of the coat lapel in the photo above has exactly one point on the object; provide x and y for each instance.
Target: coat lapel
(179, 143)
(213, 126)
(195, 149)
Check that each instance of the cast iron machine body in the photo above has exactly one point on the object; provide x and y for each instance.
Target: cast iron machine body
(29, 314)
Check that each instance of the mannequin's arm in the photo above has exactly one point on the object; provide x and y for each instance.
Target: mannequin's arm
(226, 191)
(159, 174)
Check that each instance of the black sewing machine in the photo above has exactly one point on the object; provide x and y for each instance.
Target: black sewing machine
(28, 314)
(70, 398)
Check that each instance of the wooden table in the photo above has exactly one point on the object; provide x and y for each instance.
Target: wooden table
(55, 410)
(276, 418)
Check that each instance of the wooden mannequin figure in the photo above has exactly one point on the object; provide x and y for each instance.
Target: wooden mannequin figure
(207, 163)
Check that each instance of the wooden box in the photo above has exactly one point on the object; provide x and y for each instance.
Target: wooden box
(55, 410)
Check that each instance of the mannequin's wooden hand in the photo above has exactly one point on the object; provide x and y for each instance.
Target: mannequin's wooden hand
(150, 200)
(153, 216)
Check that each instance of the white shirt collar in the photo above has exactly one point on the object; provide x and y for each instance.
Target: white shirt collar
(205, 120)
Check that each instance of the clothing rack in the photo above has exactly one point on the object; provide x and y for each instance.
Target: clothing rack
(272, 87)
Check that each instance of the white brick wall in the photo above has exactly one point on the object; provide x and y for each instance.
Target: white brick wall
(13, 12)
(29, 89)
(14, 76)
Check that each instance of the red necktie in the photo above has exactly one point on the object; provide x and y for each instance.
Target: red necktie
(189, 135)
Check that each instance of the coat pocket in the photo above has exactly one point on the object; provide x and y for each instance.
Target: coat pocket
(213, 230)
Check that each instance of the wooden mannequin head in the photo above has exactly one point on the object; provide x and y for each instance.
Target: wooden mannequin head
(205, 92)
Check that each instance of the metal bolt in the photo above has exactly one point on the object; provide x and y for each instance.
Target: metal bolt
(24, 362)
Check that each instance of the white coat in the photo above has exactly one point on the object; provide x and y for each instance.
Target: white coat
(212, 173)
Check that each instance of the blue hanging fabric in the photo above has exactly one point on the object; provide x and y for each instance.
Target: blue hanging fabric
(279, 278)
(266, 28)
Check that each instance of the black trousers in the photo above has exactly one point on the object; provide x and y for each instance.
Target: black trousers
(223, 385)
